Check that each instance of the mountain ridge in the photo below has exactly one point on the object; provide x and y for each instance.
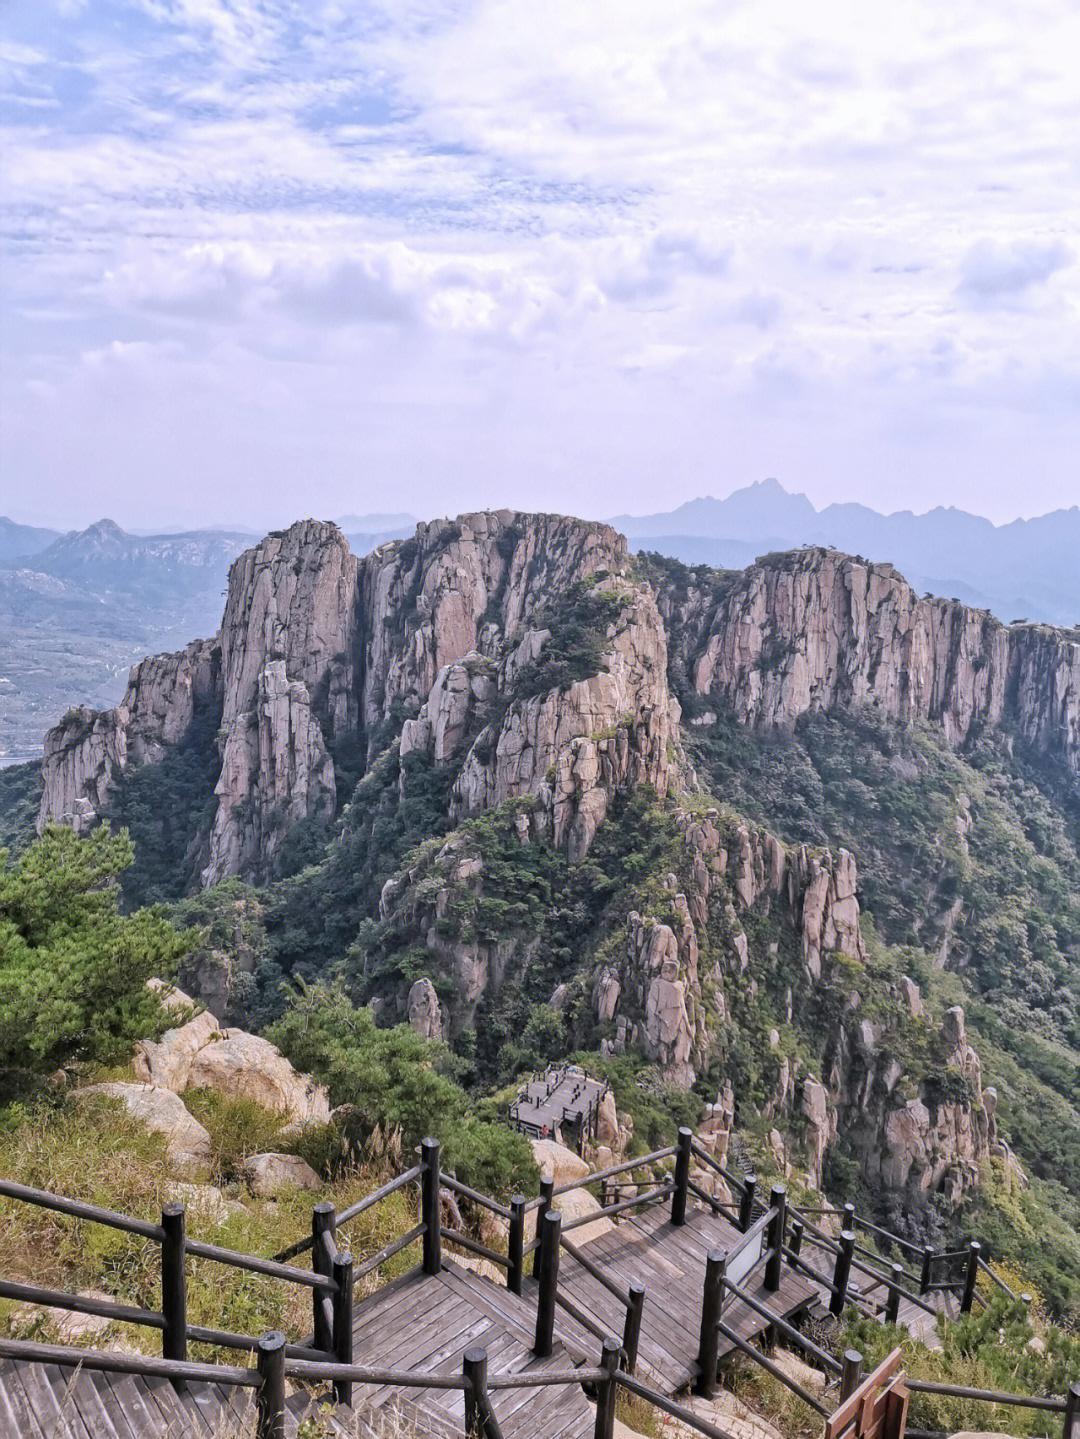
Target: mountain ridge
(1024, 568)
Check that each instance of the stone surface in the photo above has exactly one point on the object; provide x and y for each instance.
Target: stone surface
(200, 1054)
(820, 630)
(557, 1162)
(425, 1013)
(163, 1112)
(268, 1174)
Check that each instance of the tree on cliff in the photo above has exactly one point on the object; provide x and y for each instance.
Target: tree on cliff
(73, 970)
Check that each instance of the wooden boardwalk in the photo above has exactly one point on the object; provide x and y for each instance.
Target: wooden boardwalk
(424, 1323)
(47, 1401)
(670, 1261)
(419, 1323)
(558, 1097)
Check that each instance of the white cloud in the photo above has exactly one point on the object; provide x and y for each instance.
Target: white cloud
(751, 231)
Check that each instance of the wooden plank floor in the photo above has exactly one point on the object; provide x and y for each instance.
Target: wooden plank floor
(425, 1323)
(49, 1401)
(670, 1262)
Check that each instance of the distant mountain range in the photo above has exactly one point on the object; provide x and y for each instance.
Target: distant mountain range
(1029, 569)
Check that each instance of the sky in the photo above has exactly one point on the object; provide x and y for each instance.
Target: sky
(268, 258)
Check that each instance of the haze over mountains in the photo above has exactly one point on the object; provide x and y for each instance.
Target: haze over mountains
(77, 609)
(1029, 569)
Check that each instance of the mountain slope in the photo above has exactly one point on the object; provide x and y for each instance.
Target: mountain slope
(714, 827)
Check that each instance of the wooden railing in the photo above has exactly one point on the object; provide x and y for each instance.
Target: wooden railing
(274, 1366)
(170, 1235)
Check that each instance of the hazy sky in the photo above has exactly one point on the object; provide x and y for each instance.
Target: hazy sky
(265, 258)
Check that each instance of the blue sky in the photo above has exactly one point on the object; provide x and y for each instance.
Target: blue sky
(270, 259)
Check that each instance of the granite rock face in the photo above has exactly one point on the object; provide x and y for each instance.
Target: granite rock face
(88, 749)
(817, 630)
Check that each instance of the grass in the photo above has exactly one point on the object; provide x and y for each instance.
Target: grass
(96, 1153)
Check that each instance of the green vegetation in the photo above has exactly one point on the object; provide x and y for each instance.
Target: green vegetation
(73, 970)
(990, 1348)
(395, 1081)
(95, 1152)
(167, 808)
(20, 796)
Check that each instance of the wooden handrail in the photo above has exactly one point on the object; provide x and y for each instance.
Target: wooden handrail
(771, 1368)
(115, 1362)
(612, 1169)
(251, 1262)
(669, 1406)
(44, 1199)
(590, 1267)
(651, 1196)
(387, 1252)
(449, 1182)
(475, 1247)
(821, 1355)
(82, 1304)
(988, 1396)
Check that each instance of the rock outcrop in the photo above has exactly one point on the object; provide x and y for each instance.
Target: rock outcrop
(202, 1055)
(820, 630)
(425, 1012)
(162, 1112)
(87, 750)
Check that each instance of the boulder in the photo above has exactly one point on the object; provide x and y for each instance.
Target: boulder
(202, 1055)
(269, 1173)
(204, 1201)
(163, 1112)
(557, 1162)
(425, 1013)
(244, 1066)
(167, 1063)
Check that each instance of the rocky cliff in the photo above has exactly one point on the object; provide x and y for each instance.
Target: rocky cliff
(815, 629)
(318, 648)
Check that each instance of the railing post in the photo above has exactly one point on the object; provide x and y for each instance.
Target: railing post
(851, 1374)
(607, 1391)
(841, 1273)
(849, 1218)
(549, 1282)
(746, 1202)
(775, 1238)
(270, 1396)
(892, 1306)
(430, 1216)
(712, 1302)
(546, 1187)
(971, 1276)
(632, 1325)
(1070, 1428)
(795, 1241)
(342, 1275)
(322, 1223)
(173, 1288)
(515, 1272)
(927, 1268)
(474, 1369)
(682, 1176)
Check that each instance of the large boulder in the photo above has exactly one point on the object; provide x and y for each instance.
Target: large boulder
(425, 1012)
(557, 1162)
(202, 1055)
(163, 1112)
(244, 1066)
(269, 1173)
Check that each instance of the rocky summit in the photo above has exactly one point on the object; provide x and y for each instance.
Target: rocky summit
(535, 793)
